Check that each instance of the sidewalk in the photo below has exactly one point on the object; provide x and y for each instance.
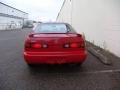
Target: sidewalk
(104, 56)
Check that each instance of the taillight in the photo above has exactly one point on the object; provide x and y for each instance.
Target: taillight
(27, 44)
(74, 45)
(66, 45)
(36, 45)
(82, 45)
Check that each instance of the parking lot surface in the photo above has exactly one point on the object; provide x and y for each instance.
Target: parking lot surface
(16, 75)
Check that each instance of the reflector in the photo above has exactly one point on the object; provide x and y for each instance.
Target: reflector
(66, 46)
(45, 46)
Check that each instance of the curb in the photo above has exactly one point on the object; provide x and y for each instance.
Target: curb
(100, 56)
(10, 30)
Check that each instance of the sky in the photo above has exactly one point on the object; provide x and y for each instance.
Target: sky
(39, 10)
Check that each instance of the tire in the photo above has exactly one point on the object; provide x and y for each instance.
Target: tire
(31, 65)
(76, 64)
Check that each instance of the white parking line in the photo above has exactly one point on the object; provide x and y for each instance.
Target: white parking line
(103, 71)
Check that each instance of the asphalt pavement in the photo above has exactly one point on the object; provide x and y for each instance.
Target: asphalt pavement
(16, 75)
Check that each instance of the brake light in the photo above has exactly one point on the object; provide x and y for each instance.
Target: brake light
(29, 44)
(74, 45)
(36, 45)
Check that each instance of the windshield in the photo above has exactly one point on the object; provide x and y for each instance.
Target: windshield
(53, 28)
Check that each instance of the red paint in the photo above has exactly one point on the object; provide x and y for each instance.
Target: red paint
(55, 52)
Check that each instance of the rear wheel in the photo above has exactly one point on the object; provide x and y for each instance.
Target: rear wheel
(76, 64)
(31, 65)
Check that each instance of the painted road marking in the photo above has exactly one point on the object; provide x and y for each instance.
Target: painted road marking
(103, 71)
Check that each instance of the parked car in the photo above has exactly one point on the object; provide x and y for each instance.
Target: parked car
(28, 24)
(54, 43)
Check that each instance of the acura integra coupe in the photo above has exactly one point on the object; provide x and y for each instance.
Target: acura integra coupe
(54, 43)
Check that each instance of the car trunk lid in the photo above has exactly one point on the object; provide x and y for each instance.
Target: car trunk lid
(55, 42)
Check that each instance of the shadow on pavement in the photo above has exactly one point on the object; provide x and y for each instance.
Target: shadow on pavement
(55, 69)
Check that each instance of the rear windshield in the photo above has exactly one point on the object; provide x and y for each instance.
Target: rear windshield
(53, 28)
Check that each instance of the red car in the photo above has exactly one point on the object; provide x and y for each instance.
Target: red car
(54, 43)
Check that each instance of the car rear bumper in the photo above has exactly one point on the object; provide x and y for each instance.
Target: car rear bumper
(54, 57)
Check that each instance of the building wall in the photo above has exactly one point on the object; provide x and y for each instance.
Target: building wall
(7, 23)
(11, 18)
(66, 12)
(98, 20)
